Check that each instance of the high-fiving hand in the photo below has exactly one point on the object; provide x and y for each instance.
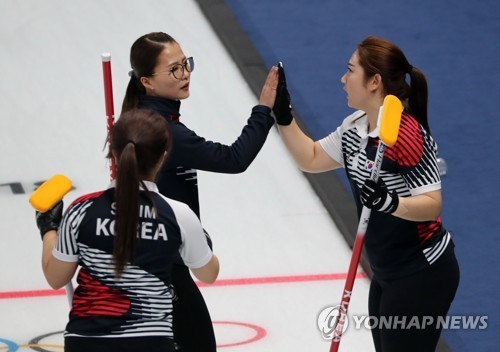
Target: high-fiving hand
(282, 106)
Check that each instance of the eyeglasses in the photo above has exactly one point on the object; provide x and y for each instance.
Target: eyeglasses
(178, 70)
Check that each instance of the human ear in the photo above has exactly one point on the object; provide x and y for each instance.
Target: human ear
(375, 82)
(146, 83)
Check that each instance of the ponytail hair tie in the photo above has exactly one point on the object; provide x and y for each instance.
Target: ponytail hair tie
(410, 68)
(130, 141)
(131, 73)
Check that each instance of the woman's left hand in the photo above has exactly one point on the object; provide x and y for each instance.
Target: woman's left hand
(376, 196)
(268, 93)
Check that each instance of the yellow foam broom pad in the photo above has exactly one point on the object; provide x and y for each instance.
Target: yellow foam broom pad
(50, 193)
(390, 120)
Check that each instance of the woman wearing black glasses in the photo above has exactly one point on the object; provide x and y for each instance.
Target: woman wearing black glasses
(159, 80)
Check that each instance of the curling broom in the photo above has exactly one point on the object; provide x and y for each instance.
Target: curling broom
(389, 119)
(45, 198)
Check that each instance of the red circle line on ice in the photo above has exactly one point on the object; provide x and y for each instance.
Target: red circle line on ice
(259, 333)
(8, 346)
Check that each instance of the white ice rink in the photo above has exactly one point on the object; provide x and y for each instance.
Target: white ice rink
(282, 257)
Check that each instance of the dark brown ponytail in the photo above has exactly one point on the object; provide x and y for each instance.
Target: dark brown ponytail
(377, 55)
(139, 141)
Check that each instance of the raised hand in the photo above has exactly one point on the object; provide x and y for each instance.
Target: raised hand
(50, 220)
(268, 93)
(282, 106)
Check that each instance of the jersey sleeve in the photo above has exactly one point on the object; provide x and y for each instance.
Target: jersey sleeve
(66, 248)
(332, 144)
(194, 249)
(416, 153)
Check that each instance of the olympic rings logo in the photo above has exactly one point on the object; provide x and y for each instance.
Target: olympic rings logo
(255, 333)
(34, 344)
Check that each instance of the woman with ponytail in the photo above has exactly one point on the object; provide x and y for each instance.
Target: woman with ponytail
(411, 254)
(125, 239)
(159, 80)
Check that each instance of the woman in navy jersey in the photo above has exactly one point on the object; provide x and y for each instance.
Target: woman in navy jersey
(125, 239)
(415, 272)
(159, 80)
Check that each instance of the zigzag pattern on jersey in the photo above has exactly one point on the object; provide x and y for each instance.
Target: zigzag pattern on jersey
(351, 146)
(71, 223)
(433, 253)
(356, 155)
(427, 229)
(416, 150)
(85, 198)
(187, 174)
(142, 300)
(408, 149)
(95, 299)
(413, 164)
(413, 155)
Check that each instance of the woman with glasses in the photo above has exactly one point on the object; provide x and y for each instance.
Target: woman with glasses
(411, 254)
(159, 80)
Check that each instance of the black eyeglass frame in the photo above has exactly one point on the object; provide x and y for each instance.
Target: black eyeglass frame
(187, 65)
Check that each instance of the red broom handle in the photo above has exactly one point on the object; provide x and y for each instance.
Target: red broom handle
(108, 97)
(355, 258)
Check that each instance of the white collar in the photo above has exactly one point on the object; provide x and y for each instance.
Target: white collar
(361, 126)
(151, 186)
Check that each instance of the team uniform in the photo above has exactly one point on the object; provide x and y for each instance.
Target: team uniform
(193, 328)
(133, 312)
(414, 268)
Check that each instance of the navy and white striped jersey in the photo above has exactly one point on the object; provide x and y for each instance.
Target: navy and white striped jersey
(395, 247)
(140, 302)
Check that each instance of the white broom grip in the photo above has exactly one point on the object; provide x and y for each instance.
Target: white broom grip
(69, 293)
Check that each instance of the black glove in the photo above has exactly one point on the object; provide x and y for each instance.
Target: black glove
(50, 220)
(376, 196)
(282, 107)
